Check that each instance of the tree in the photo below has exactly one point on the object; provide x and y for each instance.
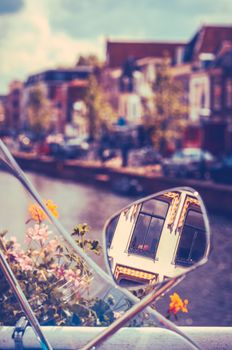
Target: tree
(99, 110)
(90, 60)
(38, 111)
(167, 118)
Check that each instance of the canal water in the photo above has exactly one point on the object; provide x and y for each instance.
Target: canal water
(208, 288)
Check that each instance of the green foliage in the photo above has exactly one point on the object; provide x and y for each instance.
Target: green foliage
(79, 234)
(38, 110)
(167, 119)
(99, 110)
(91, 60)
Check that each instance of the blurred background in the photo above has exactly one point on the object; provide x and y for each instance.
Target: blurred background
(119, 94)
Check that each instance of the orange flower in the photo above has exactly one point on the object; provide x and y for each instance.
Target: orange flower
(177, 304)
(37, 213)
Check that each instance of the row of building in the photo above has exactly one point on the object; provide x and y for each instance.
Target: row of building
(203, 65)
(63, 88)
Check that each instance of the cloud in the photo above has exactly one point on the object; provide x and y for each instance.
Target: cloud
(10, 6)
(50, 33)
(30, 45)
(84, 19)
(157, 19)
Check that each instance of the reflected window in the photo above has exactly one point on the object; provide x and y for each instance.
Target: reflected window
(193, 239)
(111, 228)
(148, 228)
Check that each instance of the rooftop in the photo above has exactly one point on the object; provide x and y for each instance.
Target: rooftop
(119, 51)
(208, 39)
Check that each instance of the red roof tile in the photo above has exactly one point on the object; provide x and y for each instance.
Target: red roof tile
(118, 52)
(211, 37)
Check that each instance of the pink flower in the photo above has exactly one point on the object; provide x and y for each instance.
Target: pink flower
(72, 276)
(14, 250)
(15, 246)
(37, 233)
(25, 262)
(59, 271)
(52, 245)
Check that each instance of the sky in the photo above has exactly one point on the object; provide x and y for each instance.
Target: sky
(41, 34)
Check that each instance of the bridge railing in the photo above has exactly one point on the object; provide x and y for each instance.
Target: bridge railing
(208, 338)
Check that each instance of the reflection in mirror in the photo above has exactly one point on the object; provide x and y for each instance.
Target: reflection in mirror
(157, 238)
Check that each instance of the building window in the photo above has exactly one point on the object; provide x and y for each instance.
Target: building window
(229, 93)
(148, 228)
(126, 84)
(217, 95)
(15, 116)
(192, 241)
(179, 55)
(60, 76)
(15, 104)
(52, 92)
(134, 110)
(58, 104)
(16, 93)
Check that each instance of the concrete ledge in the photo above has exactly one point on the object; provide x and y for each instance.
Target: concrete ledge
(208, 338)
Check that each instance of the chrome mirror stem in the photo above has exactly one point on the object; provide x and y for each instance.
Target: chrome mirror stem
(133, 311)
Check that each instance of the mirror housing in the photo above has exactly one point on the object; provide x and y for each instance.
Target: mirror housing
(156, 238)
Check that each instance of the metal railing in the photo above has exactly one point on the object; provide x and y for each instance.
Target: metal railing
(208, 338)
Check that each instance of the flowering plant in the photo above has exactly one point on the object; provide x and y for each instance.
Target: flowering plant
(176, 305)
(52, 277)
(55, 280)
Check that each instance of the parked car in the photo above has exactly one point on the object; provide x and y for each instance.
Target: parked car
(144, 156)
(25, 143)
(189, 162)
(69, 149)
(79, 145)
(222, 170)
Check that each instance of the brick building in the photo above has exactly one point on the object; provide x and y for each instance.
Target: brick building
(13, 106)
(63, 88)
(209, 54)
(204, 67)
(130, 71)
(3, 120)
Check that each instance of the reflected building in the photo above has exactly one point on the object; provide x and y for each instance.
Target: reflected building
(156, 239)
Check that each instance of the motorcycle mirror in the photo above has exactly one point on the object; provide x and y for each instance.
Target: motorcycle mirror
(153, 243)
(157, 238)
